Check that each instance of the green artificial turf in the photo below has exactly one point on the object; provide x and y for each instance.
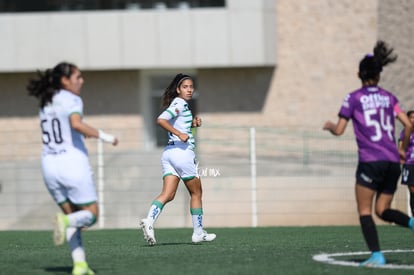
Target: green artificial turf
(257, 251)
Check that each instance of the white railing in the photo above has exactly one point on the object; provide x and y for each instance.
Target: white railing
(250, 176)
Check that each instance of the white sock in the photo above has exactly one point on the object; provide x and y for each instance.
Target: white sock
(73, 236)
(81, 218)
(197, 223)
(153, 213)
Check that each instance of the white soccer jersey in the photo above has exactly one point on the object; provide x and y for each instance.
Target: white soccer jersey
(181, 118)
(57, 134)
(65, 164)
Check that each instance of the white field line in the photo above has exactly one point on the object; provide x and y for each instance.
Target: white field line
(329, 258)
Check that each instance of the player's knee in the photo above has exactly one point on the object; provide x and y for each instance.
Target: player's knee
(170, 197)
(379, 211)
(94, 219)
(197, 194)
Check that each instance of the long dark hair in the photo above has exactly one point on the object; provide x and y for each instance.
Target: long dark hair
(171, 91)
(49, 82)
(371, 66)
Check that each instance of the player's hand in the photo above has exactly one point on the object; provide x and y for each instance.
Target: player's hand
(401, 152)
(183, 137)
(115, 143)
(196, 122)
(329, 125)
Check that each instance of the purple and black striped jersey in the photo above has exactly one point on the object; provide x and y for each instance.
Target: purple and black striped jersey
(372, 111)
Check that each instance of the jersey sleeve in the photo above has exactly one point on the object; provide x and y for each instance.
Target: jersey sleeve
(346, 109)
(75, 106)
(172, 111)
(397, 109)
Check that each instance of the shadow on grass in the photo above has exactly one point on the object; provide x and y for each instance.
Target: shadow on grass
(167, 244)
(59, 269)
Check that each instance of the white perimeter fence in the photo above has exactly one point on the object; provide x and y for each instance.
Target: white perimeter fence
(250, 176)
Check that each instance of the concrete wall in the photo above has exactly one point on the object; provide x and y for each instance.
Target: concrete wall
(396, 26)
(104, 92)
(107, 40)
(319, 45)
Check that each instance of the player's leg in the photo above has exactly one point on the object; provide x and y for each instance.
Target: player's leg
(384, 211)
(169, 189)
(186, 166)
(364, 197)
(60, 223)
(385, 197)
(196, 209)
(84, 217)
(69, 226)
(411, 190)
(407, 178)
(78, 178)
(58, 191)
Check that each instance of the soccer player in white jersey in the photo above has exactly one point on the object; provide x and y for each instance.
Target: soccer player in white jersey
(372, 110)
(65, 163)
(178, 159)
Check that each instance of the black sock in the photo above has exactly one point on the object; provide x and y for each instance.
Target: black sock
(412, 203)
(398, 217)
(369, 231)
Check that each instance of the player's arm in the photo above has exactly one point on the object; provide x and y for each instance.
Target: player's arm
(338, 128)
(403, 144)
(89, 131)
(400, 143)
(165, 124)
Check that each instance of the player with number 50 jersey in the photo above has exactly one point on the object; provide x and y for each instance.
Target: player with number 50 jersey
(65, 164)
(57, 134)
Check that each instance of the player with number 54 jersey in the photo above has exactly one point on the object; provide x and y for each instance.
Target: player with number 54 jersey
(372, 110)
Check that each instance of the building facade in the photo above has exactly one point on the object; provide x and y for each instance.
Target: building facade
(267, 63)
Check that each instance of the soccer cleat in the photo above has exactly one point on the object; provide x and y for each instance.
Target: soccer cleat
(203, 237)
(82, 268)
(148, 230)
(59, 232)
(376, 259)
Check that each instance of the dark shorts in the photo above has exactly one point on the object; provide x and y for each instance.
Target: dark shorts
(407, 175)
(381, 176)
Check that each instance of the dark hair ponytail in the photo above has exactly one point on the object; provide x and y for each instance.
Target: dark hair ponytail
(371, 66)
(171, 91)
(48, 82)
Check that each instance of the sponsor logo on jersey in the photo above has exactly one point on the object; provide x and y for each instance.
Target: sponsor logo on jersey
(374, 101)
(346, 101)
